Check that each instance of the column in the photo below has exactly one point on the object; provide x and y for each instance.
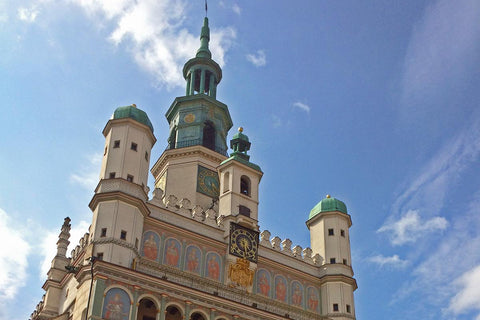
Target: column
(192, 82)
(163, 308)
(187, 310)
(202, 82)
(187, 91)
(211, 84)
(212, 313)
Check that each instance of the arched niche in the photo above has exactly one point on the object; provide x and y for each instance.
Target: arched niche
(147, 309)
(245, 185)
(172, 312)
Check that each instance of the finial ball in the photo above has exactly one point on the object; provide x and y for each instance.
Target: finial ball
(328, 196)
(134, 105)
(240, 129)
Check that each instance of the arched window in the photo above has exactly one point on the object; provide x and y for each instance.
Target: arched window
(172, 140)
(172, 313)
(245, 185)
(146, 310)
(226, 181)
(197, 316)
(209, 136)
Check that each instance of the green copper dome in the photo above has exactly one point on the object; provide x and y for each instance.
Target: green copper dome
(326, 205)
(134, 113)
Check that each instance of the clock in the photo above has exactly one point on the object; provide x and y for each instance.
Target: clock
(207, 182)
(243, 242)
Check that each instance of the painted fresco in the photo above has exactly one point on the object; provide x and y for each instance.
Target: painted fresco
(151, 243)
(172, 252)
(280, 288)
(263, 282)
(116, 305)
(297, 293)
(192, 259)
(213, 266)
(312, 299)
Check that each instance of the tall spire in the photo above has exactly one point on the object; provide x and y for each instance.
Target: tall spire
(204, 52)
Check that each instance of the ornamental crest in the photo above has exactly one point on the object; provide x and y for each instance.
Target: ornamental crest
(240, 273)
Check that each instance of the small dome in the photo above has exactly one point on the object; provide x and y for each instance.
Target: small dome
(240, 135)
(134, 113)
(326, 205)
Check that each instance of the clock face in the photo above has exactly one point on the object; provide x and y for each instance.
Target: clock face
(243, 242)
(207, 182)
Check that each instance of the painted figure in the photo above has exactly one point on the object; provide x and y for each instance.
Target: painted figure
(172, 255)
(192, 260)
(117, 305)
(150, 248)
(264, 284)
(213, 267)
(297, 295)
(312, 300)
(280, 289)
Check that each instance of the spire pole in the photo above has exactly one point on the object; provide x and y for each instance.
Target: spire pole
(206, 9)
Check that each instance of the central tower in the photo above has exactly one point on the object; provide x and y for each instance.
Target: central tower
(199, 125)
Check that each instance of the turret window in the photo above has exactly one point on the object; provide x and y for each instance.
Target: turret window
(123, 235)
(335, 307)
(129, 178)
(333, 260)
(209, 136)
(116, 144)
(103, 233)
(349, 309)
(245, 185)
(345, 261)
(100, 256)
(112, 175)
(133, 146)
(342, 233)
(331, 232)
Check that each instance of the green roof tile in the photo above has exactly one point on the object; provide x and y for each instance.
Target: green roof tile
(134, 113)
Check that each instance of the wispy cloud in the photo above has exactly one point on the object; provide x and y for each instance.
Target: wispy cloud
(89, 176)
(236, 8)
(468, 297)
(13, 259)
(302, 106)
(259, 59)
(393, 261)
(27, 14)
(410, 227)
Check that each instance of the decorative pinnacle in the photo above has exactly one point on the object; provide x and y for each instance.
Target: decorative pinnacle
(328, 196)
(204, 52)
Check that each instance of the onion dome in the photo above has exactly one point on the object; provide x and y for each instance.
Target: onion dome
(327, 205)
(134, 113)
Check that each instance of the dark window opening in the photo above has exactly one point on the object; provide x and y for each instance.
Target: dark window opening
(245, 185)
(123, 235)
(172, 140)
(105, 152)
(172, 313)
(133, 146)
(129, 178)
(100, 256)
(330, 232)
(335, 307)
(103, 234)
(146, 155)
(116, 144)
(342, 233)
(348, 308)
(146, 310)
(209, 136)
(244, 211)
(333, 260)
(197, 316)
(345, 261)
(112, 175)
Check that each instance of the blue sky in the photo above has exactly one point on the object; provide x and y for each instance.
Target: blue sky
(373, 102)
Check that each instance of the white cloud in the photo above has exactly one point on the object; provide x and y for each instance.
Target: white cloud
(259, 59)
(13, 259)
(468, 298)
(236, 8)
(27, 14)
(302, 106)
(410, 227)
(393, 261)
(89, 177)
(152, 31)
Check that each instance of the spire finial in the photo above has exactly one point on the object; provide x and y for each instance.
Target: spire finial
(206, 9)
(204, 52)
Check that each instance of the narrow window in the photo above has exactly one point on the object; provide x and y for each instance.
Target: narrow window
(226, 181)
(112, 175)
(133, 146)
(245, 185)
(66, 293)
(345, 261)
(335, 307)
(330, 232)
(99, 255)
(123, 235)
(105, 152)
(333, 260)
(103, 234)
(136, 243)
(209, 136)
(116, 144)
(349, 310)
(146, 155)
(342, 233)
(129, 178)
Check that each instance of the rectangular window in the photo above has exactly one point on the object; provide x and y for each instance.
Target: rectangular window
(129, 178)
(348, 309)
(136, 243)
(123, 235)
(335, 307)
(116, 144)
(146, 155)
(333, 260)
(112, 175)
(103, 234)
(100, 256)
(330, 232)
(133, 146)
(342, 233)
(345, 261)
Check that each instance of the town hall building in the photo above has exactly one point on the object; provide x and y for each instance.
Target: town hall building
(193, 249)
